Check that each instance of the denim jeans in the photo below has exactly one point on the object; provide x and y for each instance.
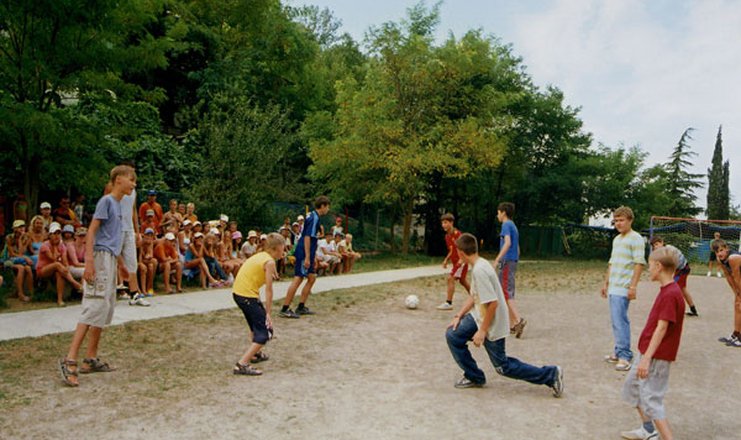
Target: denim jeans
(215, 268)
(621, 326)
(506, 366)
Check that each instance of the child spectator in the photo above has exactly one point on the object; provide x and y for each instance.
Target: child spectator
(150, 222)
(99, 298)
(349, 255)
(64, 215)
(730, 263)
(236, 244)
(76, 252)
(18, 244)
(76, 268)
(623, 272)
(648, 380)
(249, 248)
(168, 262)
(191, 212)
(224, 256)
(151, 203)
(146, 257)
(195, 264)
(182, 210)
(683, 270)
(459, 270)
(506, 263)
(53, 263)
(78, 207)
(45, 209)
(336, 227)
(37, 236)
(712, 258)
(185, 236)
(172, 217)
(210, 250)
(257, 271)
(304, 268)
(488, 324)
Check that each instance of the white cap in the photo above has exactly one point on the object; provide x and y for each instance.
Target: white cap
(150, 211)
(214, 231)
(263, 237)
(54, 227)
(224, 218)
(169, 236)
(187, 222)
(197, 235)
(300, 217)
(251, 234)
(45, 205)
(68, 228)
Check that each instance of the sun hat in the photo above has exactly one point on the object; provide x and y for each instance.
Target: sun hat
(224, 218)
(251, 234)
(170, 236)
(54, 227)
(263, 237)
(236, 235)
(214, 231)
(81, 231)
(45, 205)
(149, 231)
(68, 228)
(18, 224)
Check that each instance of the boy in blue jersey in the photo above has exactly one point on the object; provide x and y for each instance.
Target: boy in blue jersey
(102, 255)
(623, 273)
(506, 263)
(305, 266)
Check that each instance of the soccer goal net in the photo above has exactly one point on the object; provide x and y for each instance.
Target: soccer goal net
(693, 236)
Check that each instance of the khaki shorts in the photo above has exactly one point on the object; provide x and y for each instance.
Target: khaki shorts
(128, 251)
(99, 297)
(648, 394)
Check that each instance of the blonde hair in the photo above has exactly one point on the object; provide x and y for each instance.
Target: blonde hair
(34, 218)
(667, 257)
(624, 211)
(274, 240)
(122, 170)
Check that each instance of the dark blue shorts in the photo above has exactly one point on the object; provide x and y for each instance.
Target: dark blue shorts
(254, 313)
(298, 268)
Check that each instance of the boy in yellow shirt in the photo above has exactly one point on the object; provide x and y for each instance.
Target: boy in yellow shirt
(259, 269)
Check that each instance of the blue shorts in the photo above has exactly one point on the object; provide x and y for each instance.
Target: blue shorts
(298, 268)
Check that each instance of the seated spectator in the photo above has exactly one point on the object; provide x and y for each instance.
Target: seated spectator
(236, 244)
(146, 257)
(78, 207)
(151, 203)
(18, 245)
(53, 263)
(349, 255)
(195, 264)
(210, 250)
(249, 248)
(169, 262)
(326, 253)
(285, 232)
(76, 268)
(261, 244)
(185, 236)
(336, 227)
(197, 227)
(233, 227)
(38, 236)
(77, 247)
(45, 209)
(295, 231)
(150, 221)
(64, 215)
(191, 212)
(172, 217)
(224, 255)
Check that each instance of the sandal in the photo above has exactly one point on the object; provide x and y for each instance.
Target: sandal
(64, 365)
(246, 370)
(260, 357)
(91, 365)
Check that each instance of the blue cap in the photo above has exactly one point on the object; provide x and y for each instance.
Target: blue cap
(152, 192)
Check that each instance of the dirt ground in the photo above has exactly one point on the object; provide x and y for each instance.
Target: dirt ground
(367, 368)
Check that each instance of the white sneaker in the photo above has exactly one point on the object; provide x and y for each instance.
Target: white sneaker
(709, 274)
(640, 434)
(138, 300)
(720, 275)
(445, 306)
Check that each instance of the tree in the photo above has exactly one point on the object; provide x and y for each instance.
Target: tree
(680, 182)
(718, 183)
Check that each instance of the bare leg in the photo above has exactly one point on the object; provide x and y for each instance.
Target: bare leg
(514, 315)
(688, 297)
(451, 289)
(306, 291)
(166, 273)
(60, 287)
(250, 353)
(291, 292)
(92, 343)
(20, 276)
(29, 281)
(79, 336)
(737, 314)
(179, 276)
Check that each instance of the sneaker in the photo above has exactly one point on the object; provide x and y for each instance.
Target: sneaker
(622, 365)
(640, 434)
(150, 293)
(445, 306)
(304, 311)
(720, 275)
(519, 328)
(726, 339)
(138, 300)
(709, 274)
(611, 359)
(124, 296)
(735, 342)
(464, 382)
(558, 382)
(288, 314)
(692, 313)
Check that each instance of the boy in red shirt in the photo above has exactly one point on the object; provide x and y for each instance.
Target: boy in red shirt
(648, 379)
(460, 269)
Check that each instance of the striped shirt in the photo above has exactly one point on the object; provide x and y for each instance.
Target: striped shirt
(627, 251)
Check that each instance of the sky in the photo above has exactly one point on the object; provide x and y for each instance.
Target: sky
(641, 71)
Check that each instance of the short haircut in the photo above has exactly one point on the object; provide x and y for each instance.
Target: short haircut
(508, 208)
(656, 239)
(667, 257)
(467, 244)
(321, 201)
(624, 211)
(719, 244)
(122, 170)
(274, 240)
(447, 217)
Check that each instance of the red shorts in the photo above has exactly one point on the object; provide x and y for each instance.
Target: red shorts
(680, 276)
(459, 270)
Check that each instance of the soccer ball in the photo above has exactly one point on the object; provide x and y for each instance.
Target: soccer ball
(411, 301)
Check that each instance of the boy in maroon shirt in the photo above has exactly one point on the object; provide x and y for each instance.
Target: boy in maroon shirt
(460, 269)
(648, 379)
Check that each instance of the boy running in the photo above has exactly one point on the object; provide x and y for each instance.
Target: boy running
(488, 324)
(623, 272)
(680, 275)
(459, 270)
(506, 263)
(648, 380)
(102, 254)
(730, 262)
(305, 254)
(257, 271)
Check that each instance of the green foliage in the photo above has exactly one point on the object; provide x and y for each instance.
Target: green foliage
(680, 182)
(718, 183)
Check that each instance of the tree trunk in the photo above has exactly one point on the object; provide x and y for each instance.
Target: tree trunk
(408, 212)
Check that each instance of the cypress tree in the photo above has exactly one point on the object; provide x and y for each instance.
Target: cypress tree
(718, 173)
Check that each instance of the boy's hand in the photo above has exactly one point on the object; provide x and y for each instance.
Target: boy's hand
(454, 322)
(89, 274)
(307, 263)
(445, 264)
(631, 293)
(643, 365)
(604, 291)
(479, 337)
